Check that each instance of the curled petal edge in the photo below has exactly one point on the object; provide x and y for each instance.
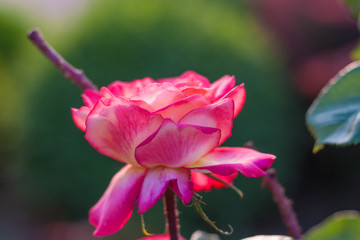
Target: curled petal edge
(227, 160)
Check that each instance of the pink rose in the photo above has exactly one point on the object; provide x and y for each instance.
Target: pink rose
(191, 91)
(163, 130)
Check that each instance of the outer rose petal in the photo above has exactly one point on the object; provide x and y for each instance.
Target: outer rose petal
(178, 109)
(159, 95)
(237, 94)
(220, 87)
(79, 116)
(176, 145)
(116, 126)
(218, 115)
(205, 183)
(226, 161)
(156, 183)
(90, 97)
(115, 207)
(159, 237)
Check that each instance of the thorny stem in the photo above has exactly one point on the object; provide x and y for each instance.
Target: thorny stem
(77, 76)
(284, 204)
(171, 213)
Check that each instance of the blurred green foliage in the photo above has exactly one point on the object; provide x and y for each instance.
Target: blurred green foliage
(343, 225)
(11, 97)
(126, 40)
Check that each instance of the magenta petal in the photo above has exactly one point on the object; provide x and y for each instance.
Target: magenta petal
(237, 94)
(204, 183)
(183, 187)
(218, 115)
(90, 97)
(225, 161)
(156, 182)
(222, 86)
(79, 116)
(178, 109)
(116, 126)
(176, 145)
(115, 207)
(201, 181)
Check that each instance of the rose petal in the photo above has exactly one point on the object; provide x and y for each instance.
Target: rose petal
(188, 91)
(188, 79)
(79, 116)
(237, 94)
(116, 126)
(156, 182)
(115, 207)
(105, 93)
(129, 89)
(225, 161)
(159, 95)
(205, 183)
(176, 145)
(178, 109)
(191, 78)
(90, 97)
(218, 115)
(220, 87)
(159, 237)
(183, 187)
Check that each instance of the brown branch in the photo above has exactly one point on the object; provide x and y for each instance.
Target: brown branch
(77, 76)
(284, 204)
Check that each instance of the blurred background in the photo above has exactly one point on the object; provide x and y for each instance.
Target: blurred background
(284, 51)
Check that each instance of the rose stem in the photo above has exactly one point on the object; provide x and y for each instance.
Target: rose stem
(284, 204)
(77, 76)
(171, 215)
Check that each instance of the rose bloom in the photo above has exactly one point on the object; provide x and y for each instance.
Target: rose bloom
(163, 130)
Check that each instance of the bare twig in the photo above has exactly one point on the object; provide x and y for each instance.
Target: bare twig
(75, 75)
(284, 204)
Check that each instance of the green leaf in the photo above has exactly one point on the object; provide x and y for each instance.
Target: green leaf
(268, 237)
(334, 116)
(343, 225)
